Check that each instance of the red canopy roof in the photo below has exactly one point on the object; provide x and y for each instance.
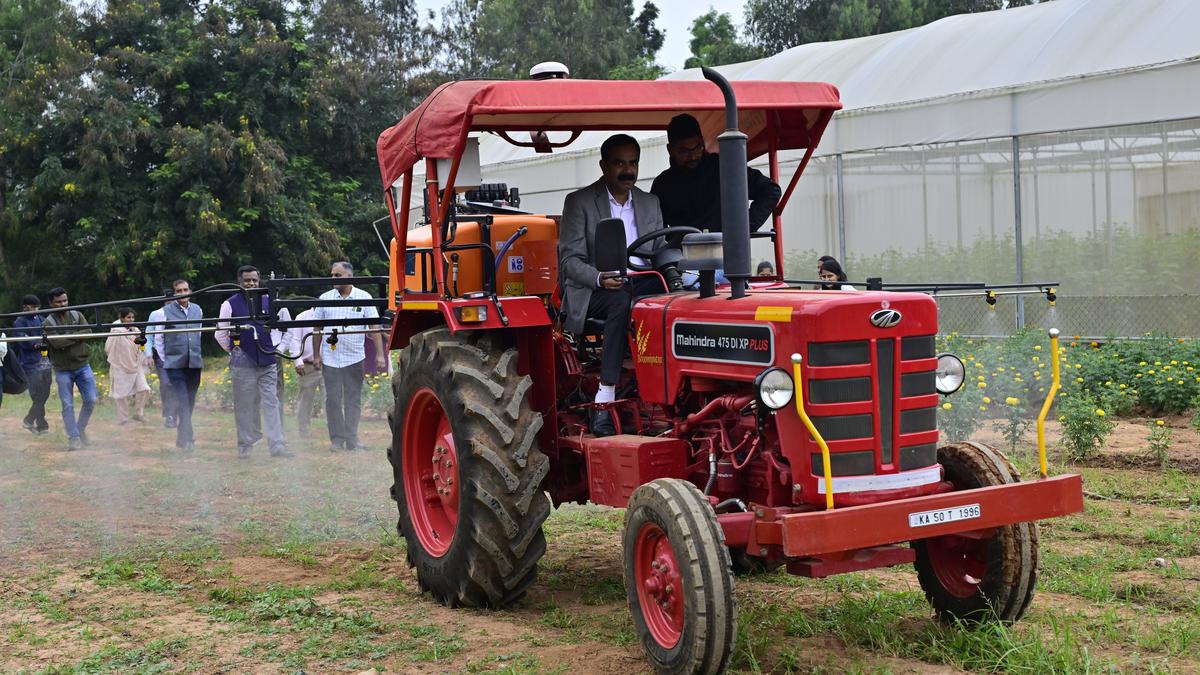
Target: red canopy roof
(794, 113)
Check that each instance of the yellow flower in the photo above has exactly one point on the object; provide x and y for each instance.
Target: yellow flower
(1037, 348)
(1174, 362)
(1012, 400)
(1158, 363)
(1079, 380)
(1036, 359)
(980, 378)
(1159, 422)
(983, 385)
(1099, 412)
(983, 408)
(1037, 374)
(947, 405)
(1143, 363)
(986, 399)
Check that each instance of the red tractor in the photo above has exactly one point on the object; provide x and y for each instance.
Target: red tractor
(771, 425)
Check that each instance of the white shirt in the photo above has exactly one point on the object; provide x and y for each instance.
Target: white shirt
(297, 341)
(157, 346)
(3, 346)
(628, 216)
(350, 349)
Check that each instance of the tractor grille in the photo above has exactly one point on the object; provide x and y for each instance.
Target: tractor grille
(893, 420)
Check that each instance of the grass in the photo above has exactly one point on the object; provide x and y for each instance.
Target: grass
(149, 562)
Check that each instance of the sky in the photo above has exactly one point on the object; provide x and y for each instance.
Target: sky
(674, 17)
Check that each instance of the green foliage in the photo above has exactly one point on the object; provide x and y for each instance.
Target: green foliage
(775, 25)
(1160, 439)
(715, 42)
(1085, 425)
(503, 38)
(139, 143)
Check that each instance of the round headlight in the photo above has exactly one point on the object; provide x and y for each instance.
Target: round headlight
(950, 374)
(774, 387)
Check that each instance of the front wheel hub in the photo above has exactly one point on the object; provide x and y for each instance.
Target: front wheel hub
(659, 582)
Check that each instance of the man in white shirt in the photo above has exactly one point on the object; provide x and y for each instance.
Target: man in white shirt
(308, 373)
(342, 368)
(170, 419)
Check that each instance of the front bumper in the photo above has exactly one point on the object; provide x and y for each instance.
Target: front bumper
(817, 533)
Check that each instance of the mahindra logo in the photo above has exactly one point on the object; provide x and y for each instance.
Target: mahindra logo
(885, 318)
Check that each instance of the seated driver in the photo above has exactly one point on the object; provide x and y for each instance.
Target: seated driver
(584, 293)
(690, 190)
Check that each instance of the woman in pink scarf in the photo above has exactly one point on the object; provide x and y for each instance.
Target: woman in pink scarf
(127, 365)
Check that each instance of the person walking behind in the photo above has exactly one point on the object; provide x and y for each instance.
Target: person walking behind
(71, 369)
(127, 365)
(181, 356)
(165, 393)
(36, 362)
(308, 373)
(342, 368)
(252, 368)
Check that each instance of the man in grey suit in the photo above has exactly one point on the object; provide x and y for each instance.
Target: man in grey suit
(585, 293)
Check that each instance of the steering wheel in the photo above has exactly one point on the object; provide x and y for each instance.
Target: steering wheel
(632, 251)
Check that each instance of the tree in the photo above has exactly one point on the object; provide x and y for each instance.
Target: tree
(504, 38)
(776, 25)
(715, 42)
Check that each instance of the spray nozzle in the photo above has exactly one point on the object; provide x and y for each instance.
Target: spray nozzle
(235, 335)
(140, 340)
(991, 300)
(1051, 296)
(332, 340)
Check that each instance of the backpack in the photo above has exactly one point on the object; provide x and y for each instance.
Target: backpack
(13, 374)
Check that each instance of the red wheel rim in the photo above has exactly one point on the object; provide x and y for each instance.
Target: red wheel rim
(959, 563)
(430, 472)
(659, 585)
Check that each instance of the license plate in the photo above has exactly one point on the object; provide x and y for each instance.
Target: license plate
(943, 516)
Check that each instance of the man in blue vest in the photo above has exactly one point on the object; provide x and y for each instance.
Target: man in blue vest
(181, 356)
(252, 367)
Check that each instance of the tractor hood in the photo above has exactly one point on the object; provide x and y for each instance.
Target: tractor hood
(684, 336)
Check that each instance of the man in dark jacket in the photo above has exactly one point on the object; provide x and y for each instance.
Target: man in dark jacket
(690, 190)
(71, 368)
(36, 364)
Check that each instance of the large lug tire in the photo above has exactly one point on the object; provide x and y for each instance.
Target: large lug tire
(467, 469)
(677, 578)
(978, 580)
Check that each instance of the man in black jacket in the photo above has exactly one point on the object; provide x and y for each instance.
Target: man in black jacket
(690, 190)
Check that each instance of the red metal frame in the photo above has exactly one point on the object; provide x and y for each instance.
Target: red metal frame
(816, 533)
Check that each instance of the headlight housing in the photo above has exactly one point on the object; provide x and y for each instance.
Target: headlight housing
(950, 374)
(774, 388)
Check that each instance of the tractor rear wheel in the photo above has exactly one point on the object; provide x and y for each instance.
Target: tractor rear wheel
(677, 578)
(467, 469)
(977, 580)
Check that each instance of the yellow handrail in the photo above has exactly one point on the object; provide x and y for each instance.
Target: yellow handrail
(812, 429)
(1054, 387)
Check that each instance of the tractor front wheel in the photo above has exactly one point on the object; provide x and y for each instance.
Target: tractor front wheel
(972, 579)
(467, 469)
(677, 578)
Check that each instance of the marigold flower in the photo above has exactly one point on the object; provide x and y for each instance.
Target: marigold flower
(1099, 412)
(1012, 400)
(986, 399)
(947, 405)
(1159, 422)
(983, 385)
(1037, 348)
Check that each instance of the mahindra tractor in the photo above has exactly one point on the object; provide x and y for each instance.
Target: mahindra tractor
(760, 423)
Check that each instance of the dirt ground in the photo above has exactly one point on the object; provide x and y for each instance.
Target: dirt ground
(128, 556)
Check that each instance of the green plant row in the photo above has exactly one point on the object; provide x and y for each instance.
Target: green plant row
(1008, 379)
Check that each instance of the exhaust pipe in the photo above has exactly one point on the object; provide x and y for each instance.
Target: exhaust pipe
(735, 194)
